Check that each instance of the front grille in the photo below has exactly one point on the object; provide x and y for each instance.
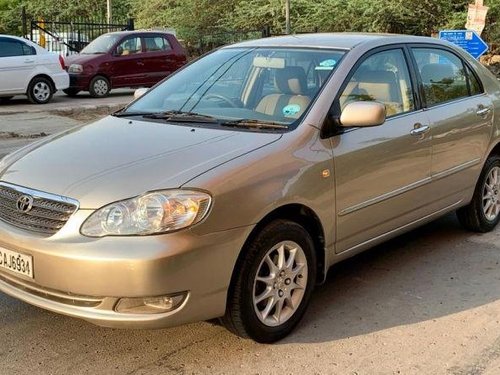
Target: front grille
(48, 214)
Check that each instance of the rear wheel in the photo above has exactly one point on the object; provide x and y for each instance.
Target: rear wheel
(273, 283)
(71, 92)
(482, 214)
(40, 90)
(99, 87)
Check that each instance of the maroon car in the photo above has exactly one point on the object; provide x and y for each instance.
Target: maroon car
(124, 59)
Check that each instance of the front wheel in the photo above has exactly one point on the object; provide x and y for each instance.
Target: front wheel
(273, 283)
(99, 87)
(482, 214)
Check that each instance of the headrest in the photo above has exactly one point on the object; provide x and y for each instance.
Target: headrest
(437, 73)
(291, 80)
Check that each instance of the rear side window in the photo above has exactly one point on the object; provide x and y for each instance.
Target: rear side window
(157, 43)
(475, 86)
(10, 47)
(443, 75)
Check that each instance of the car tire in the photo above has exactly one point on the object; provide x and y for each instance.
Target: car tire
(259, 289)
(5, 99)
(482, 214)
(71, 92)
(40, 90)
(99, 87)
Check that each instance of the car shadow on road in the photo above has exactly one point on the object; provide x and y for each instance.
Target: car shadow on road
(434, 271)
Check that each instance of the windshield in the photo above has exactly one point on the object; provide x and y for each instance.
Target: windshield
(259, 84)
(100, 45)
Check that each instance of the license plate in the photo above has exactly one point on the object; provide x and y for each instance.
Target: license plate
(15, 262)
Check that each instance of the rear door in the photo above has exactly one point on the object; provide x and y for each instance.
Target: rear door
(382, 173)
(17, 63)
(461, 118)
(159, 58)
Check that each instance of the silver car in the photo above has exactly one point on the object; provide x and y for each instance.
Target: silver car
(230, 188)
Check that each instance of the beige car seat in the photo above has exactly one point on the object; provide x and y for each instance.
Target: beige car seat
(292, 100)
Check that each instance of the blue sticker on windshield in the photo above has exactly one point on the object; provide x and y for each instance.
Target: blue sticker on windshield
(291, 110)
(328, 63)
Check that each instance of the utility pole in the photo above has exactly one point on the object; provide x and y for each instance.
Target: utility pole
(109, 13)
(287, 16)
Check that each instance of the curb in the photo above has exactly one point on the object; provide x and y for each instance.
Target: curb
(69, 111)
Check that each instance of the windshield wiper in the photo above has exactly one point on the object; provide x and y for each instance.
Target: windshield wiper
(180, 116)
(122, 113)
(259, 124)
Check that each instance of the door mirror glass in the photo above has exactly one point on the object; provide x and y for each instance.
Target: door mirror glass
(363, 114)
(140, 92)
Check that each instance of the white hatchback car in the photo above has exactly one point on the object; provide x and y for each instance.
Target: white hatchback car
(28, 69)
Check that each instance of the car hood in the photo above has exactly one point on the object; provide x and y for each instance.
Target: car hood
(81, 59)
(116, 158)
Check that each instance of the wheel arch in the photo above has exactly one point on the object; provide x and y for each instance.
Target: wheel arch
(42, 75)
(302, 215)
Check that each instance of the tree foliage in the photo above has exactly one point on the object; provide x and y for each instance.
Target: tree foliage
(192, 18)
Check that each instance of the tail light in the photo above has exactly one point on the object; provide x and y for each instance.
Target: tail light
(61, 61)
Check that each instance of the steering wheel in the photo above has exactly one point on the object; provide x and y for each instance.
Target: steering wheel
(225, 99)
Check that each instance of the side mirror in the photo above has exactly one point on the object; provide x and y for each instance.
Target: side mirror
(363, 114)
(140, 92)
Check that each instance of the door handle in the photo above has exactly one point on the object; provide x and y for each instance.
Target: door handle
(419, 129)
(140, 63)
(483, 111)
(29, 61)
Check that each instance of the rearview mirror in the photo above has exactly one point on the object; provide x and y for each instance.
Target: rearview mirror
(140, 92)
(363, 114)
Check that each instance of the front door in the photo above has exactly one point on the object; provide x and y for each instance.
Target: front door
(127, 65)
(382, 173)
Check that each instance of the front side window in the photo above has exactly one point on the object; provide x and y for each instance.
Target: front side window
(10, 48)
(382, 77)
(442, 74)
(129, 46)
(263, 84)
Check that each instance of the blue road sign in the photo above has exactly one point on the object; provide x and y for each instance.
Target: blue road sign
(466, 39)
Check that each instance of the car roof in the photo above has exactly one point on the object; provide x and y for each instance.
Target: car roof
(129, 32)
(344, 41)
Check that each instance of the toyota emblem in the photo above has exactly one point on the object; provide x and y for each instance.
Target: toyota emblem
(25, 203)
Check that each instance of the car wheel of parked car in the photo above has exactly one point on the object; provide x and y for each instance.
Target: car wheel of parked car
(99, 87)
(483, 212)
(5, 99)
(71, 92)
(272, 283)
(40, 90)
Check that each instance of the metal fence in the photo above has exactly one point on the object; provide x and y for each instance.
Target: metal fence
(67, 37)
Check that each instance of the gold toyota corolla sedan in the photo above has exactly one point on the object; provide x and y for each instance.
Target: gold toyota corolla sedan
(229, 189)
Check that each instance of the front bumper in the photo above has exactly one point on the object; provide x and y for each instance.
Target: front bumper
(85, 277)
(79, 81)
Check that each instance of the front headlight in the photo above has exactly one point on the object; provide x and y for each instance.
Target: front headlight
(75, 68)
(151, 213)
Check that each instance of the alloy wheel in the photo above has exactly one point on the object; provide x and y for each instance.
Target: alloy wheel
(41, 91)
(491, 194)
(280, 283)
